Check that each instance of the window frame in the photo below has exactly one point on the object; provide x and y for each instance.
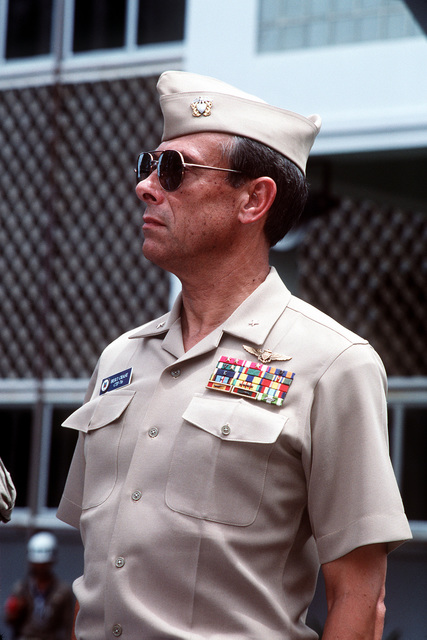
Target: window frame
(70, 66)
(404, 394)
(42, 397)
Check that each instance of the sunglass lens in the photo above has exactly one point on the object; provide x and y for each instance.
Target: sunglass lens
(170, 170)
(143, 166)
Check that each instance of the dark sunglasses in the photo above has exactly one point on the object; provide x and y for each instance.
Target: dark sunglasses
(170, 167)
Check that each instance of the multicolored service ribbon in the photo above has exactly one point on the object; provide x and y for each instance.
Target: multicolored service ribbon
(251, 380)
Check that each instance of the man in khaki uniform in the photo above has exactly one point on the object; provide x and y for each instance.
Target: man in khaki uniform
(231, 447)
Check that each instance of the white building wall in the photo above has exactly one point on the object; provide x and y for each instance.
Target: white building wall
(371, 96)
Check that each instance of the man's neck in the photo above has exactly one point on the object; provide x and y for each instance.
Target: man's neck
(207, 302)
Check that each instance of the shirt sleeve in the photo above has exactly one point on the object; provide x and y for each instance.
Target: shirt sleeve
(70, 506)
(353, 496)
(7, 494)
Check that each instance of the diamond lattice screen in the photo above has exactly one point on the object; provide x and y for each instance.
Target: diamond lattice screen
(72, 276)
(366, 266)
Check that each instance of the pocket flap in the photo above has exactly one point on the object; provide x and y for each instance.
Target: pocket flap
(100, 411)
(235, 420)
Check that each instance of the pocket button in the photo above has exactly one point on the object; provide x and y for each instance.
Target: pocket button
(225, 429)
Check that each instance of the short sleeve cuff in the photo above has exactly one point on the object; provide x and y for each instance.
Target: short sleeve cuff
(69, 512)
(392, 529)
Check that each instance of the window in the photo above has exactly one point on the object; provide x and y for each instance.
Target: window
(15, 426)
(40, 482)
(296, 24)
(29, 28)
(408, 442)
(160, 21)
(36, 450)
(98, 25)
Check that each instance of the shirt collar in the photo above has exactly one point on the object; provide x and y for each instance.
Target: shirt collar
(160, 325)
(252, 321)
(255, 317)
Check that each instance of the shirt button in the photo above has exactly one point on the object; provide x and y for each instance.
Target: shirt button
(136, 495)
(175, 373)
(120, 562)
(153, 432)
(117, 630)
(226, 430)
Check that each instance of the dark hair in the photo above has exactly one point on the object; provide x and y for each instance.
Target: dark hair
(254, 160)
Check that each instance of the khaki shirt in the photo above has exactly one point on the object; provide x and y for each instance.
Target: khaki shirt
(205, 514)
(7, 494)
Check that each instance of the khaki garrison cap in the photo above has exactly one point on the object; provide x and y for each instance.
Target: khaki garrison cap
(194, 104)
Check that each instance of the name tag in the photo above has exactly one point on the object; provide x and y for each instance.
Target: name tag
(116, 381)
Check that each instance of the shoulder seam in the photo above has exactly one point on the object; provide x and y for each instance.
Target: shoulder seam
(357, 339)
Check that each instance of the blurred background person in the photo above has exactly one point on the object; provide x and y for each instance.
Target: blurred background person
(40, 606)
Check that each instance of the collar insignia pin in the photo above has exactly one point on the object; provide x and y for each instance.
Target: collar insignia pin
(201, 107)
(160, 325)
(266, 355)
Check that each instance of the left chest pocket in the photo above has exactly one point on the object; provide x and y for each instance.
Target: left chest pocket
(220, 460)
(101, 420)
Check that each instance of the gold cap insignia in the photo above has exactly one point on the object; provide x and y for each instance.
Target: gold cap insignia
(265, 355)
(201, 107)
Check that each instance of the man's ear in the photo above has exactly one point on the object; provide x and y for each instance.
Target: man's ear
(258, 197)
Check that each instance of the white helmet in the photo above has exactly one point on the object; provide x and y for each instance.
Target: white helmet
(42, 548)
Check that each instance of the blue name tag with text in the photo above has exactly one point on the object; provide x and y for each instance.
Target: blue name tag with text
(116, 381)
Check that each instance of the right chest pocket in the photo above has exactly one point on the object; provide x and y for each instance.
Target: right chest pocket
(101, 421)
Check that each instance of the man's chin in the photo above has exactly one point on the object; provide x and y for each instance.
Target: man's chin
(155, 254)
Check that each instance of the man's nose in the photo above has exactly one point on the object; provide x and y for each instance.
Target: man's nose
(149, 189)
